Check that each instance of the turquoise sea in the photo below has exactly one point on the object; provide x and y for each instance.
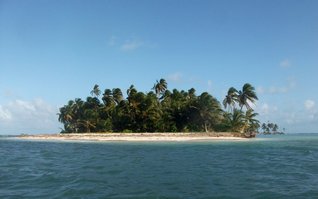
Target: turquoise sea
(266, 167)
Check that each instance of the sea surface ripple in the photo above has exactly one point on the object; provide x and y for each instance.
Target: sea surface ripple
(270, 167)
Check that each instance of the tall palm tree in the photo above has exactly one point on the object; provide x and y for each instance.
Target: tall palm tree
(230, 98)
(66, 112)
(92, 103)
(131, 90)
(67, 117)
(117, 95)
(151, 113)
(247, 95)
(160, 87)
(209, 109)
(191, 93)
(176, 106)
(96, 91)
(108, 98)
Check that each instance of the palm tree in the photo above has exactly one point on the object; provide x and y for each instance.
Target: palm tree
(209, 109)
(264, 128)
(191, 93)
(108, 98)
(117, 95)
(230, 98)
(275, 128)
(160, 87)
(251, 124)
(67, 116)
(95, 92)
(160, 110)
(92, 103)
(131, 90)
(151, 113)
(166, 95)
(87, 125)
(176, 105)
(235, 120)
(247, 95)
(66, 113)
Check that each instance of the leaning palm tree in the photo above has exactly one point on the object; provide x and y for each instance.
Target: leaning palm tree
(108, 98)
(117, 95)
(131, 90)
(86, 125)
(160, 87)
(67, 116)
(230, 98)
(96, 91)
(247, 95)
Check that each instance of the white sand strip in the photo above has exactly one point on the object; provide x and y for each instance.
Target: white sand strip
(134, 136)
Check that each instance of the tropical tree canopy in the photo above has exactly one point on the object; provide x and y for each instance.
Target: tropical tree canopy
(160, 110)
(95, 92)
(160, 87)
(271, 128)
(247, 95)
(230, 98)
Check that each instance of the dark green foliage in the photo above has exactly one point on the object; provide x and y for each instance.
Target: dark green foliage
(235, 119)
(271, 128)
(160, 110)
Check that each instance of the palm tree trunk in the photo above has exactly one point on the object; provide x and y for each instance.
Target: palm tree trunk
(205, 127)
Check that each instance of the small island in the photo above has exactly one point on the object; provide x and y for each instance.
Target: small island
(159, 114)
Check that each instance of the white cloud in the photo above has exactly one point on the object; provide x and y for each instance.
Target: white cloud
(285, 63)
(131, 45)
(260, 90)
(126, 45)
(296, 119)
(265, 109)
(175, 77)
(24, 105)
(290, 118)
(311, 110)
(35, 116)
(5, 114)
(290, 84)
(274, 90)
(309, 104)
(301, 120)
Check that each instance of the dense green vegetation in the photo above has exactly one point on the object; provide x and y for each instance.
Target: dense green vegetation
(271, 128)
(160, 110)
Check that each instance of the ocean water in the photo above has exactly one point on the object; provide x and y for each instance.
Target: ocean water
(266, 167)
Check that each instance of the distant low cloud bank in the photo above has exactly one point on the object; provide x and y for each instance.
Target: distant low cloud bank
(300, 119)
(35, 116)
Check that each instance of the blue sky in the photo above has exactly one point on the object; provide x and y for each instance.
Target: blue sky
(54, 51)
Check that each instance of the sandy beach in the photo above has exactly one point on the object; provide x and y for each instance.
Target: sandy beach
(133, 136)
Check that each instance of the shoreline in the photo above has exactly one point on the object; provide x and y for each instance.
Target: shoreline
(104, 137)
